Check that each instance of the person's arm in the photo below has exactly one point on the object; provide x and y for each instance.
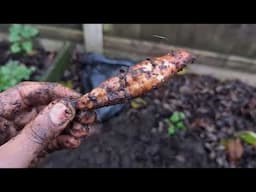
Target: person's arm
(22, 149)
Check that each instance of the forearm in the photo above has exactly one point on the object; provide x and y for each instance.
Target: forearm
(19, 151)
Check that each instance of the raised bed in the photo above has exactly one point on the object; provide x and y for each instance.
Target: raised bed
(215, 110)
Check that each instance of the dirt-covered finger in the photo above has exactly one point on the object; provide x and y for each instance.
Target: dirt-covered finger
(62, 142)
(42, 93)
(86, 117)
(24, 118)
(78, 130)
(7, 130)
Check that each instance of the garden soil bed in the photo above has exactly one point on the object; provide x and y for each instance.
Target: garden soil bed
(138, 138)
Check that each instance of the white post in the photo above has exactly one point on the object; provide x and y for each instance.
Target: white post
(93, 37)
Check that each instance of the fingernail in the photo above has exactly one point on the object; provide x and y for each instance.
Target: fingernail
(60, 114)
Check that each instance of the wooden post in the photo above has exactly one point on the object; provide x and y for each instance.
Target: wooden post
(93, 37)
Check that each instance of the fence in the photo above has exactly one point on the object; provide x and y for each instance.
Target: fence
(235, 39)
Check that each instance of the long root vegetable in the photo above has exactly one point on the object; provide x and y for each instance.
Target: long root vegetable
(135, 81)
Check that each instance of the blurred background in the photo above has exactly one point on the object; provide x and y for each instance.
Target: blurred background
(205, 117)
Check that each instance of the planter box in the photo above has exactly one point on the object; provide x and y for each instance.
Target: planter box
(61, 61)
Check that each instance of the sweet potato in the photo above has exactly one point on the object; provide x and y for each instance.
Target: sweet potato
(135, 81)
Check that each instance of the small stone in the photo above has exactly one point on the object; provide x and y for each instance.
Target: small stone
(210, 129)
(154, 130)
(212, 137)
(220, 148)
(185, 89)
(157, 102)
(180, 158)
(96, 149)
(208, 145)
(144, 138)
(166, 106)
(152, 150)
(160, 126)
(220, 161)
(212, 155)
(229, 131)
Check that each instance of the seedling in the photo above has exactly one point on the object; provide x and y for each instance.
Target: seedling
(176, 123)
(21, 38)
(248, 137)
(12, 73)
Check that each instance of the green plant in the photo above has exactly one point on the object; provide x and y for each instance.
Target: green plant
(12, 73)
(21, 38)
(176, 122)
(248, 137)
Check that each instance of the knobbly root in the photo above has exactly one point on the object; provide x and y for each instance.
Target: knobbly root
(137, 80)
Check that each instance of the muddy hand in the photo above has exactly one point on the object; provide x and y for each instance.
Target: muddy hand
(21, 104)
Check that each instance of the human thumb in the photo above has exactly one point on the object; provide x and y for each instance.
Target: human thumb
(51, 121)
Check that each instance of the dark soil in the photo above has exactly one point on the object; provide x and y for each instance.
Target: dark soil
(137, 138)
(40, 58)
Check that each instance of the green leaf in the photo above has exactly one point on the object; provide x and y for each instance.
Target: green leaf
(248, 137)
(15, 48)
(175, 117)
(14, 37)
(27, 46)
(12, 73)
(182, 115)
(180, 125)
(16, 28)
(171, 130)
(29, 31)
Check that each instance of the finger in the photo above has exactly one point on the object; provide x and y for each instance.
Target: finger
(7, 130)
(70, 141)
(24, 118)
(11, 103)
(86, 117)
(78, 130)
(94, 129)
(62, 142)
(39, 108)
(28, 94)
(41, 93)
(50, 122)
(82, 131)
